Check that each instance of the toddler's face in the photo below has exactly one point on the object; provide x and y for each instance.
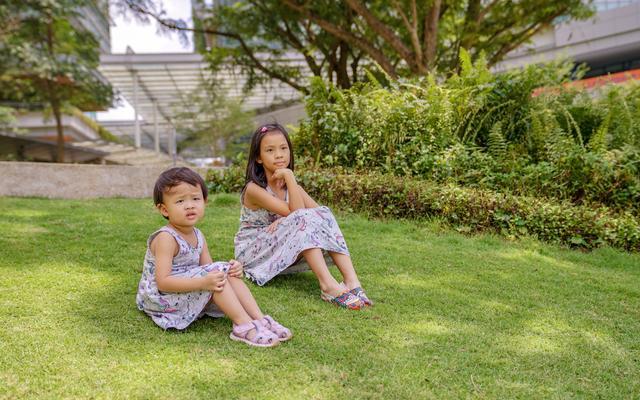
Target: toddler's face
(274, 151)
(183, 204)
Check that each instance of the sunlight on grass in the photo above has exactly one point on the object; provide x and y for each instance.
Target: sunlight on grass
(605, 342)
(25, 213)
(455, 316)
(21, 229)
(541, 336)
(496, 306)
(534, 256)
(428, 328)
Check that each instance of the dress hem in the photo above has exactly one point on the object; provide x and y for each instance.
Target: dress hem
(256, 281)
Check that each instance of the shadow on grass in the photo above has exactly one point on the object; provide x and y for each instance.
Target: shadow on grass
(454, 316)
(467, 330)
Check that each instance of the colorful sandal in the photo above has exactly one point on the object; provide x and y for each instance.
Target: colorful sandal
(262, 338)
(357, 291)
(345, 300)
(280, 331)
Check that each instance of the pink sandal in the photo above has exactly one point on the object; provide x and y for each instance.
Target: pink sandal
(262, 338)
(280, 331)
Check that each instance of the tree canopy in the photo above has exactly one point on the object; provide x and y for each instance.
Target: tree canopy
(338, 40)
(47, 59)
(211, 121)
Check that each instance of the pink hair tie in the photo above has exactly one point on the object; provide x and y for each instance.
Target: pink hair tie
(263, 129)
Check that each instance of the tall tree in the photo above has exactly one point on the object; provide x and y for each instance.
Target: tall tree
(211, 121)
(338, 39)
(47, 58)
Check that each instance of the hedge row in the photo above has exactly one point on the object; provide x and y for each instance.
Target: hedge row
(469, 210)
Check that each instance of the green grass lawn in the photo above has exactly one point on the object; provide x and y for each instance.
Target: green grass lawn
(456, 317)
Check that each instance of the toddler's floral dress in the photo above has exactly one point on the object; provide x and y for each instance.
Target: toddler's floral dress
(177, 310)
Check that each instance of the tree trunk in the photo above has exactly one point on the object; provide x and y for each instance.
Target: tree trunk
(53, 99)
(342, 74)
(56, 112)
(469, 31)
(431, 34)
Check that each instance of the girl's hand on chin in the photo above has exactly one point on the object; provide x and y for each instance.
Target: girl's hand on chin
(281, 173)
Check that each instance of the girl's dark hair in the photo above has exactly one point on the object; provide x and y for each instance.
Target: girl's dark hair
(175, 176)
(255, 172)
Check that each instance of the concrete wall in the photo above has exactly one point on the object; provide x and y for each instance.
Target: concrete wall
(78, 181)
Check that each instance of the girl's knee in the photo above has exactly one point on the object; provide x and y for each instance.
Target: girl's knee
(306, 215)
(235, 280)
(226, 290)
(312, 250)
(299, 213)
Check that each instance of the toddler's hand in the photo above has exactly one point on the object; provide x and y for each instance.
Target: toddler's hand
(272, 228)
(236, 269)
(214, 281)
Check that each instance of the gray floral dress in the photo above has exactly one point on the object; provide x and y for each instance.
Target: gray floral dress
(264, 254)
(177, 310)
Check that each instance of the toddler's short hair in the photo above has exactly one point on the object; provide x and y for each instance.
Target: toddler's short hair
(175, 176)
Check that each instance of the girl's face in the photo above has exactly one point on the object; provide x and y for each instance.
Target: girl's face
(183, 205)
(274, 152)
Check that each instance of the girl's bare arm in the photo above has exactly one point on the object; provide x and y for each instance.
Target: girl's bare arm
(164, 248)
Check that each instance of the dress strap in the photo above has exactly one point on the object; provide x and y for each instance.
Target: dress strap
(200, 238)
(176, 236)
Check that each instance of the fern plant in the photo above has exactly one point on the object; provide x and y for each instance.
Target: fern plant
(598, 141)
(621, 125)
(497, 145)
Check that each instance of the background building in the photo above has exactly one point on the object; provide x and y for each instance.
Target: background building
(607, 43)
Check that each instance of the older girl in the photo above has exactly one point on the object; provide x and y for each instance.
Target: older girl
(280, 223)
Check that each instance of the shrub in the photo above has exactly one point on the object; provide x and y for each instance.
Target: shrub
(467, 209)
(487, 131)
(228, 180)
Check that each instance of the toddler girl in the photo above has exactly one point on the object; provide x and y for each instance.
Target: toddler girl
(180, 283)
(280, 222)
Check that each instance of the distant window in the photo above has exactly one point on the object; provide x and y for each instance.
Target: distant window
(605, 5)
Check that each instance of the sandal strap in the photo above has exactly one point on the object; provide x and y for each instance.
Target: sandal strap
(243, 329)
(276, 327)
(357, 290)
(262, 335)
(270, 322)
(361, 294)
(346, 298)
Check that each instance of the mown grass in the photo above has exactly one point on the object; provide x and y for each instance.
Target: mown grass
(456, 317)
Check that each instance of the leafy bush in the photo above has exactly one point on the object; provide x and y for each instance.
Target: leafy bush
(487, 131)
(228, 180)
(469, 210)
